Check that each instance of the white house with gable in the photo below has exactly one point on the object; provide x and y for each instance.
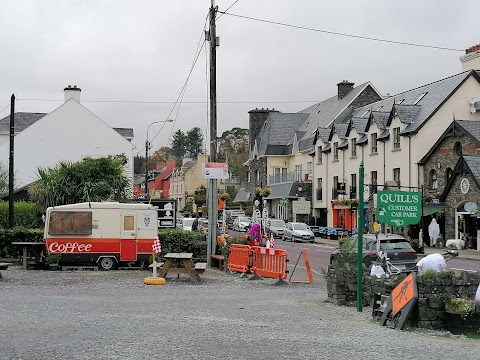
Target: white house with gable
(71, 132)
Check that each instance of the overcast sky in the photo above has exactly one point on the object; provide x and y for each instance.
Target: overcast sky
(142, 50)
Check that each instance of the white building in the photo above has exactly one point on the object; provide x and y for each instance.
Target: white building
(390, 136)
(71, 132)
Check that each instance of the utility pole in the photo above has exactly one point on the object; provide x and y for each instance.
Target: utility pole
(11, 212)
(146, 167)
(212, 186)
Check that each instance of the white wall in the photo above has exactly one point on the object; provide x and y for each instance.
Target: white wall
(69, 133)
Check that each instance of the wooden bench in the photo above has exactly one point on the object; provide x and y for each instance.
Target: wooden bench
(4, 266)
(200, 267)
(218, 261)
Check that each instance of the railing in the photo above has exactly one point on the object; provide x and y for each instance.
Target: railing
(231, 180)
(373, 188)
(300, 176)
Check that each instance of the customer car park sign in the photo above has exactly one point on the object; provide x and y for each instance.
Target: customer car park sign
(399, 208)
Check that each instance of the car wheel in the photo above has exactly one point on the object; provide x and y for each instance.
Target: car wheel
(283, 237)
(107, 263)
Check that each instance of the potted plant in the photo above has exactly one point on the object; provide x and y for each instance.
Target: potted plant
(53, 260)
(462, 316)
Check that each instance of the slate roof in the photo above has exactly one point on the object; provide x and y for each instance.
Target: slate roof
(22, 121)
(359, 124)
(324, 133)
(341, 130)
(380, 118)
(127, 133)
(407, 113)
(283, 190)
(279, 130)
(473, 163)
(242, 196)
(343, 144)
(436, 93)
(362, 139)
(384, 135)
(470, 127)
(188, 165)
(325, 112)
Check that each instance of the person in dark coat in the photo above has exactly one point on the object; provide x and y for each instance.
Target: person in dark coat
(195, 224)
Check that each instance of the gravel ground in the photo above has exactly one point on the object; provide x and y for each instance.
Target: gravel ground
(112, 315)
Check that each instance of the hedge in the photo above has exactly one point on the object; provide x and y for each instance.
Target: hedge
(25, 215)
(7, 236)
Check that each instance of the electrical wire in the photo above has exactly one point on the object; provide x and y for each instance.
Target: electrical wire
(226, 10)
(343, 34)
(5, 108)
(141, 102)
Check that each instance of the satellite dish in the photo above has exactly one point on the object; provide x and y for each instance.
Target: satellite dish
(470, 206)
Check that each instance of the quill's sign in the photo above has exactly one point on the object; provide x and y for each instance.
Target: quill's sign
(399, 208)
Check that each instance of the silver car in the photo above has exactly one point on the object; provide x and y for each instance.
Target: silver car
(275, 227)
(242, 223)
(295, 231)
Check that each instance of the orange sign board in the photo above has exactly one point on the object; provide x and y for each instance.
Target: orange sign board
(403, 293)
(307, 266)
(220, 204)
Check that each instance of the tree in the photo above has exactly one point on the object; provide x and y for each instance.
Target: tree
(179, 142)
(160, 156)
(4, 178)
(194, 143)
(139, 164)
(89, 180)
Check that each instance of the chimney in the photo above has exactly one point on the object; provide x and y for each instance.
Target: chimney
(72, 92)
(344, 88)
(471, 59)
(256, 119)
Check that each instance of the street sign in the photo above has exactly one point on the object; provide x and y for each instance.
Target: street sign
(284, 202)
(399, 208)
(301, 207)
(213, 170)
(403, 293)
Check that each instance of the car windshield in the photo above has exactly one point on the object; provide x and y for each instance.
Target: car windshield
(277, 223)
(300, 227)
(188, 222)
(243, 219)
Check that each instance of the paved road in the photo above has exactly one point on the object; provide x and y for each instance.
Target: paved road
(112, 315)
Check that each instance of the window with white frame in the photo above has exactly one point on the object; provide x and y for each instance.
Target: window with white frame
(433, 182)
(279, 174)
(353, 143)
(298, 172)
(319, 189)
(319, 155)
(308, 174)
(396, 138)
(335, 151)
(396, 175)
(373, 148)
(248, 176)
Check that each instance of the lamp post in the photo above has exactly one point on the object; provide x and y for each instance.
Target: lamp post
(147, 147)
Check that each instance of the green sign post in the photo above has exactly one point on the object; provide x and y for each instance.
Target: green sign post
(399, 208)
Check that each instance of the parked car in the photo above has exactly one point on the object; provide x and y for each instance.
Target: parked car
(242, 223)
(275, 227)
(185, 223)
(203, 225)
(231, 215)
(316, 230)
(296, 231)
(398, 250)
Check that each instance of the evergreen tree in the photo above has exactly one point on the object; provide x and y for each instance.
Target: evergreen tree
(194, 144)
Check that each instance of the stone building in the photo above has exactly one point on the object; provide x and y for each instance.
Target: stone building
(451, 170)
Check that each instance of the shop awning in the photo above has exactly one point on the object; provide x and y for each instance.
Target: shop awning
(432, 209)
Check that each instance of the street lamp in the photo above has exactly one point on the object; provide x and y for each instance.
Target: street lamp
(147, 147)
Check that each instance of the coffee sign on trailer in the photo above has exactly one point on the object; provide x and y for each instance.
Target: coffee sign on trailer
(399, 208)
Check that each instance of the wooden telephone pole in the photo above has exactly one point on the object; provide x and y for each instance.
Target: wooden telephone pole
(212, 185)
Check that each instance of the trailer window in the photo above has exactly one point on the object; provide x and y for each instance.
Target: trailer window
(128, 223)
(70, 223)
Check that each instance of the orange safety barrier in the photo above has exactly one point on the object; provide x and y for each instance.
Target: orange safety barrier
(239, 258)
(271, 263)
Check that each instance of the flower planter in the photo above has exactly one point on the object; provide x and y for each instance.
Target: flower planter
(460, 324)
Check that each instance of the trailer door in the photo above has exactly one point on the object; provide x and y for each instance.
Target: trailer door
(128, 237)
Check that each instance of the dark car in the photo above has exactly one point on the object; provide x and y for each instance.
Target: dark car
(397, 248)
(317, 231)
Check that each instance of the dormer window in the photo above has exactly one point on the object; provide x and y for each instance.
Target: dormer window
(396, 138)
(335, 151)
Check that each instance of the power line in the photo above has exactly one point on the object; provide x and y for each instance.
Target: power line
(226, 10)
(343, 34)
(4, 108)
(170, 102)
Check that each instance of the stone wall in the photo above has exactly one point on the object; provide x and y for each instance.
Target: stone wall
(259, 164)
(429, 312)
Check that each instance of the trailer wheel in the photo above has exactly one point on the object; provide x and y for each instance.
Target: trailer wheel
(154, 281)
(107, 263)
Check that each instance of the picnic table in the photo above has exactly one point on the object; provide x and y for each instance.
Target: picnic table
(26, 245)
(181, 263)
(4, 266)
